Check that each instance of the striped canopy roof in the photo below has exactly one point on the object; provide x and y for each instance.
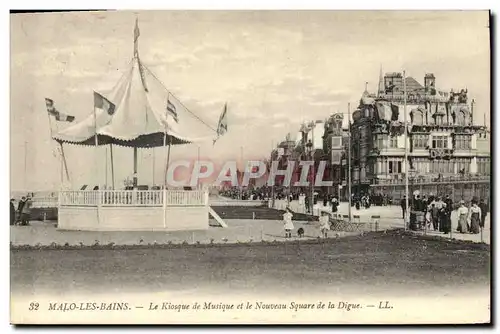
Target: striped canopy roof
(140, 117)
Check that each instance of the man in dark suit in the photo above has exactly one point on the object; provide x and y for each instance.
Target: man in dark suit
(484, 212)
(12, 212)
(447, 214)
(20, 206)
(403, 206)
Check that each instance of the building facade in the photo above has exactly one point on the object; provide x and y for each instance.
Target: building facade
(447, 152)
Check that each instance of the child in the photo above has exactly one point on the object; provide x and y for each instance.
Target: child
(288, 224)
(324, 220)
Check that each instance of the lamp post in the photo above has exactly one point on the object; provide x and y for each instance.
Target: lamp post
(310, 150)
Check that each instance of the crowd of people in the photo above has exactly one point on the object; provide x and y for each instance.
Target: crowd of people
(22, 214)
(434, 212)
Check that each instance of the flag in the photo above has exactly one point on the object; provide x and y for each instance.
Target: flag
(222, 125)
(103, 103)
(172, 111)
(51, 109)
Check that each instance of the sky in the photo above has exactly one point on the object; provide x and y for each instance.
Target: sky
(275, 69)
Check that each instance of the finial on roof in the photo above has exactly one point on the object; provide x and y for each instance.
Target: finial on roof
(137, 33)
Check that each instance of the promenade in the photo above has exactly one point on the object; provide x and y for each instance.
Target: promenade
(391, 218)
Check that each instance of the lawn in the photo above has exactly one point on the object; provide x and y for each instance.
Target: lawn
(371, 262)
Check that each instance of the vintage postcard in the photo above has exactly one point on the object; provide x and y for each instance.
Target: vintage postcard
(250, 167)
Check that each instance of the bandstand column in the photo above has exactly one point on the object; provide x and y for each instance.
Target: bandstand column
(135, 167)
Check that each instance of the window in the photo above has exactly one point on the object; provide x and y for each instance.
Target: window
(420, 141)
(462, 142)
(379, 142)
(440, 142)
(395, 167)
(460, 118)
(438, 119)
(463, 165)
(393, 142)
(441, 167)
(418, 117)
(483, 166)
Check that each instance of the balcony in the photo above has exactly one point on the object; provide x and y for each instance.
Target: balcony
(427, 179)
(374, 152)
(440, 153)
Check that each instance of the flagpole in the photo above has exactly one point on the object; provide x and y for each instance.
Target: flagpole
(112, 166)
(60, 156)
(134, 180)
(61, 162)
(65, 164)
(349, 159)
(166, 158)
(154, 161)
(106, 169)
(241, 183)
(273, 202)
(313, 150)
(25, 164)
(406, 152)
(97, 167)
(198, 158)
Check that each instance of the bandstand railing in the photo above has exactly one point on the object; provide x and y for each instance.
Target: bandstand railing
(146, 198)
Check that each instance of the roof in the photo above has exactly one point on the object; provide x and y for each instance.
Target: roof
(412, 84)
(140, 116)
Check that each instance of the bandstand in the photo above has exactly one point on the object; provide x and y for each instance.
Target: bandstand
(138, 113)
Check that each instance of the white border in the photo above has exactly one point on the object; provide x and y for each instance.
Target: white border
(185, 4)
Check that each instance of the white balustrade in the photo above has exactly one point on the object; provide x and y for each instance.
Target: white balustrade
(79, 198)
(146, 198)
(45, 202)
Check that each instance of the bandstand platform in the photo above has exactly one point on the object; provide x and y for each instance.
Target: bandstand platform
(133, 210)
(138, 112)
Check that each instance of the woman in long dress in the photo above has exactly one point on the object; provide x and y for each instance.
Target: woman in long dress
(475, 217)
(288, 224)
(463, 214)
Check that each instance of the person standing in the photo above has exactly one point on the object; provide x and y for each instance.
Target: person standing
(288, 224)
(12, 212)
(26, 212)
(475, 217)
(484, 212)
(448, 208)
(324, 224)
(307, 204)
(20, 207)
(403, 206)
(434, 211)
(463, 214)
(335, 204)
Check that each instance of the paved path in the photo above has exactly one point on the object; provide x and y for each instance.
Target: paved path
(391, 217)
(485, 237)
(392, 211)
(239, 230)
